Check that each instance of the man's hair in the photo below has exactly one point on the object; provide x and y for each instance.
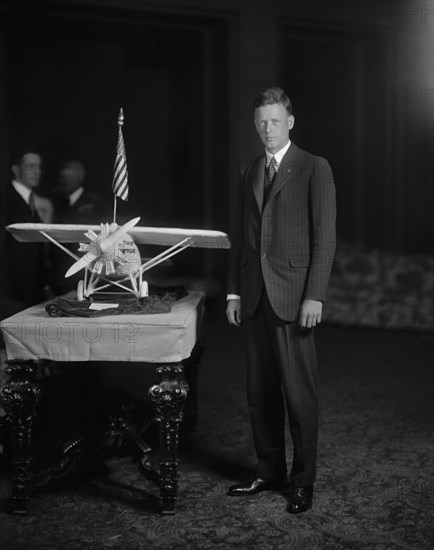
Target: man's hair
(271, 96)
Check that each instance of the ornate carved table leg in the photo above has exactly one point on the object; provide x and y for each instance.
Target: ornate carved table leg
(20, 396)
(168, 398)
(191, 366)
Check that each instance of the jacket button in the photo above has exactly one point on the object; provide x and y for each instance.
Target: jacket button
(264, 256)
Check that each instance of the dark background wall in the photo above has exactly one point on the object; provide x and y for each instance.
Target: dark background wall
(359, 74)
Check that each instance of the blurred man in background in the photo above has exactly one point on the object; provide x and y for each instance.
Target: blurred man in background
(75, 203)
(24, 270)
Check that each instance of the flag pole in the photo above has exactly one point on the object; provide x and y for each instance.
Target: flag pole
(120, 124)
(114, 208)
(120, 172)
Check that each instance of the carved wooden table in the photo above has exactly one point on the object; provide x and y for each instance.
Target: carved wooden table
(165, 340)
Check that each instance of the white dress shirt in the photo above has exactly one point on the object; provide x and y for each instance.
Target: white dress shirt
(75, 195)
(22, 190)
(278, 156)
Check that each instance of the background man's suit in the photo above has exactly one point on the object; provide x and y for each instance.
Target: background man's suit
(88, 209)
(282, 253)
(24, 272)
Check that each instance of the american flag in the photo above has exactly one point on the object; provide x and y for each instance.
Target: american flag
(120, 176)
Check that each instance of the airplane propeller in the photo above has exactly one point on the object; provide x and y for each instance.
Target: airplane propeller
(98, 249)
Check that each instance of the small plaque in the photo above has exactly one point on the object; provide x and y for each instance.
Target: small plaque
(99, 306)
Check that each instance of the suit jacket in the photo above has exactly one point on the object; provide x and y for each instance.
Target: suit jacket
(287, 244)
(23, 270)
(89, 209)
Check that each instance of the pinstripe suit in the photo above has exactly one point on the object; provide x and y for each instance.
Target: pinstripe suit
(282, 253)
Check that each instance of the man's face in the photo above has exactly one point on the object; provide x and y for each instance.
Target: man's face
(273, 124)
(71, 177)
(29, 170)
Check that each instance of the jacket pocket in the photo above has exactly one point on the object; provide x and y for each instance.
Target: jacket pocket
(301, 260)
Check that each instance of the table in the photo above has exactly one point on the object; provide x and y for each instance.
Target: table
(163, 340)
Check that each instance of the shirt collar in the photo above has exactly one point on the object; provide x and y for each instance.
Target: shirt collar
(22, 190)
(75, 195)
(279, 155)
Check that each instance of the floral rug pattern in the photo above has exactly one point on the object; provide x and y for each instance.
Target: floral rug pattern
(375, 486)
(382, 290)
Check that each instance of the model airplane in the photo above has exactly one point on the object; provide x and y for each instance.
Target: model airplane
(111, 256)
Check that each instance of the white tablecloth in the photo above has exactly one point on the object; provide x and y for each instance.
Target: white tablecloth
(157, 338)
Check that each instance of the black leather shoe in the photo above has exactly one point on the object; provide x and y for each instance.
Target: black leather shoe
(300, 500)
(256, 486)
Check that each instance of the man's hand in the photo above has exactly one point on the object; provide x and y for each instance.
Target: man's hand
(310, 313)
(233, 312)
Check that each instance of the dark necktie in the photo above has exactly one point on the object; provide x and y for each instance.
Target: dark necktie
(32, 205)
(271, 170)
(270, 173)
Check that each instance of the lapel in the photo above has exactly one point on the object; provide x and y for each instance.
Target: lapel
(18, 210)
(258, 172)
(286, 171)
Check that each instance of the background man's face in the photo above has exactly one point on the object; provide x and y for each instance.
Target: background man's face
(29, 170)
(71, 177)
(273, 124)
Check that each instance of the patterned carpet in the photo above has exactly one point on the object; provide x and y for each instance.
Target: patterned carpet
(377, 289)
(375, 470)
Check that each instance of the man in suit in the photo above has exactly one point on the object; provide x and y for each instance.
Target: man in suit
(24, 268)
(76, 204)
(283, 245)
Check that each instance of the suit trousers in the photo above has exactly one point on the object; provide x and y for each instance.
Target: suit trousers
(282, 369)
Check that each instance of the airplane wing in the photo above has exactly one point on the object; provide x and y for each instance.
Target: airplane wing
(64, 233)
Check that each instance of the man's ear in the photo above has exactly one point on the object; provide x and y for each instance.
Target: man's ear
(291, 122)
(14, 170)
